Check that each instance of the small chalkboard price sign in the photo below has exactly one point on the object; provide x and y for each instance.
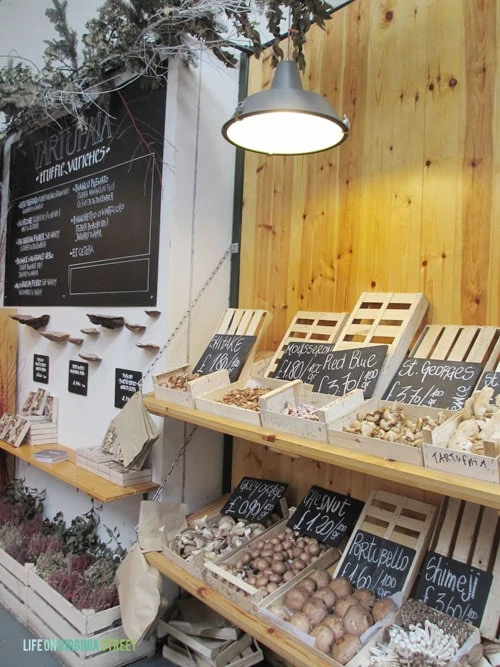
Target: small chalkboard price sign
(376, 563)
(325, 515)
(78, 377)
(434, 383)
(302, 361)
(126, 385)
(40, 368)
(455, 588)
(254, 499)
(346, 370)
(225, 351)
(490, 379)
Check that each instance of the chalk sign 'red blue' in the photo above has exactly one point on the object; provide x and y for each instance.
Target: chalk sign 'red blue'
(225, 352)
(376, 563)
(254, 499)
(325, 515)
(436, 384)
(302, 361)
(490, 379)
(455, 588)
(346, 370)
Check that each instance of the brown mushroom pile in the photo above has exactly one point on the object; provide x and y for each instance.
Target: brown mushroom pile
(394, 425)
(272, 561)
(333, 612)
(247, 398)
(178, 382)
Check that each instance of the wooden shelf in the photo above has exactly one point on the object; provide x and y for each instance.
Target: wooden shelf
(456, 486)
(67, 471)
(272, 636)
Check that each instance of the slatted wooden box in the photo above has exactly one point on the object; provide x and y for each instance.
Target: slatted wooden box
(392, 451)
(241, 653)
(13, 586)
(384, 318)
(327, 409)
(468, 533)
(212, 401)
(51, 616)
(245, 595)
(307, 326)
(234, 321)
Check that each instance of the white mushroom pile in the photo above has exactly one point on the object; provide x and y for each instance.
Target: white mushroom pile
(394, 425)
(302, 410)
(333, 612)
(422, 645)
(480, 422)
(213, 539)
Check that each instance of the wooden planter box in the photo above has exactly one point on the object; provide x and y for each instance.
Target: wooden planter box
(13, 586)
(328, 409)
(392, 451)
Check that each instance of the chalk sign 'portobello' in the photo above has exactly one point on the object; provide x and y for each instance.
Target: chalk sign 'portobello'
(376, 563)
(490, 379)
(434, 383)
(455, 588)
(254, 499)
(225, 352)
(325, 515)
(331, 371)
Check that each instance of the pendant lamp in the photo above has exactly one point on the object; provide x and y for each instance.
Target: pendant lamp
(285, 120)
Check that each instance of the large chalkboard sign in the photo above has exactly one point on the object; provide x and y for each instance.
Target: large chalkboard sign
(436, 384)
(376, 563)
(329, 371)
(84, 207)
(490, 379)
(225, 351)
(325, 515)
(41, 368)
(254, 499)
(455, 588)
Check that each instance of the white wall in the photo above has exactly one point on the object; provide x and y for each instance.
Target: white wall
(196, 221)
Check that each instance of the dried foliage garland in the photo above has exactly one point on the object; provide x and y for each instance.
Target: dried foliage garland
(136, 37)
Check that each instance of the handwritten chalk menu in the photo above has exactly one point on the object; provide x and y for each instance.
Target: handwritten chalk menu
(325, 515)
(40, 368)
(490, 379)
(455, 588)
(78, 377)
(346, 370)
(302, 361)
(225, 351)
(436, 384)
(376, 563)
(84, 215)
(126, 385)
(254, 499)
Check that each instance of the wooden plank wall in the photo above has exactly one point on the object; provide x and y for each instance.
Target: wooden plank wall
(410, 202)
(8, 382)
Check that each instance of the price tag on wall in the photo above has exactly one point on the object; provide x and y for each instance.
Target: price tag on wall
(455, 588)
(78, 377)
(376, 563)
(325, 515)
(126, 385)
(40, 368)
(254, 499)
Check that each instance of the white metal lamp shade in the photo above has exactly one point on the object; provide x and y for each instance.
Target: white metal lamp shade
(285, 120)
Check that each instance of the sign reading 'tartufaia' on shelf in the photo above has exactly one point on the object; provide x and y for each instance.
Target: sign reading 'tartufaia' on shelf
(254, 499)
(84, 215)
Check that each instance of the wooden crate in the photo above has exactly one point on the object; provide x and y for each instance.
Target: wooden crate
(328, 409)
(210, 402)
(13, 586)
(234, 321)
(241, 653)
(195, 387)
(52, 617)
(314, 327)
(471, 343)
(392, 451)
(437, 455)
(386, 318)
(468, 533)
(239, 591)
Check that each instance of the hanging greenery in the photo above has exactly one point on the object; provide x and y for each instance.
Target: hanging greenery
(134, 38)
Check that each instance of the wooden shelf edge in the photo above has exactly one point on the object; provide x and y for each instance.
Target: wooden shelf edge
(271, 636)
(67, 471)
(456, 486)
